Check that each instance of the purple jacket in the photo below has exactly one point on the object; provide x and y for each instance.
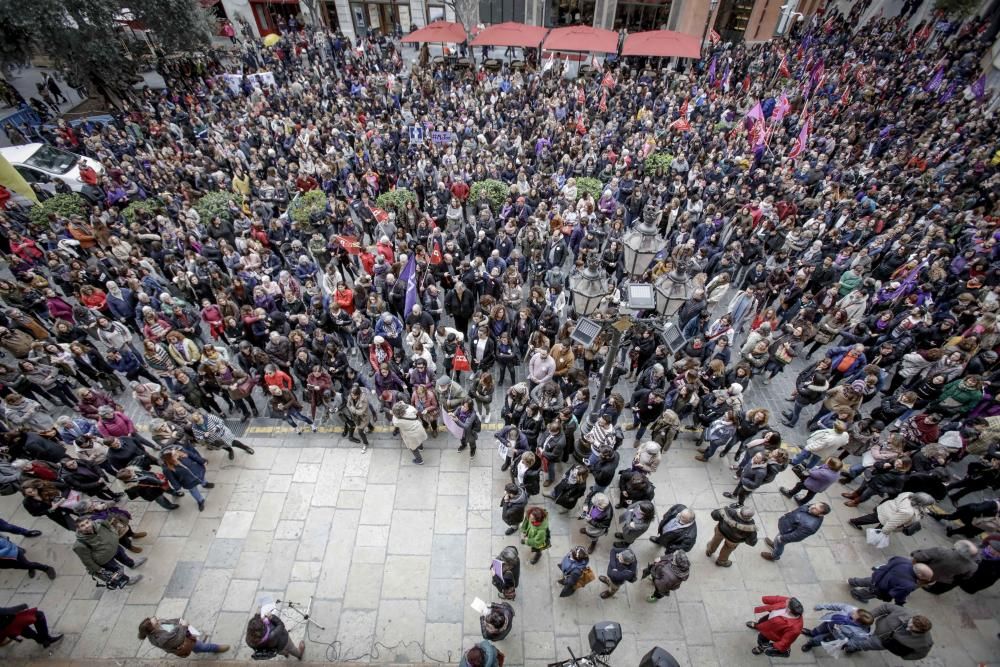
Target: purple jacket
(820, 478)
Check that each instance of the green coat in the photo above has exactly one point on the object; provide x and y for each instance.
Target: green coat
(98, 548)
(536, 537)
(958, 398)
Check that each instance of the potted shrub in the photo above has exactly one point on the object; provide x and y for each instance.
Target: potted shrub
(394, 201)
(591, 185)
(496, 193)
(308, 209)
(215, 204)
(63, 205)
(145, 209)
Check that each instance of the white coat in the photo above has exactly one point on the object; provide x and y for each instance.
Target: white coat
(410, 429)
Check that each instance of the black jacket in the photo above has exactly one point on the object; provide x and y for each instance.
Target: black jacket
(531, 476)
(512, 510)
(682, 539)
(604, 471)
(460, 306)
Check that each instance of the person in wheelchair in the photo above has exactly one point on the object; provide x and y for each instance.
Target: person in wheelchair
(267, 636)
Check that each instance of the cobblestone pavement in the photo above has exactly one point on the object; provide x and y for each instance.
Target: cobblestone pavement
(388, 555)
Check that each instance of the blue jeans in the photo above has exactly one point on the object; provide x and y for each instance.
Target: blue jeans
(796, 411)
(292, 415)
(779, 547)
(807, 458)
(196, 494)
(205, 647)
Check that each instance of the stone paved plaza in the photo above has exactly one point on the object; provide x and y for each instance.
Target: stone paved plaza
(388, 555)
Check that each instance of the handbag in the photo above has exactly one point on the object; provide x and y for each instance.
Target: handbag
(460, 362)
(586, 577)
(246, 387)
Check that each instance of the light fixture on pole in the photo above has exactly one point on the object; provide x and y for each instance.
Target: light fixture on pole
(639, 247)
(672, 290)
(589, 286)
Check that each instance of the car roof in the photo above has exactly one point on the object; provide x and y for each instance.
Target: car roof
(18, 154)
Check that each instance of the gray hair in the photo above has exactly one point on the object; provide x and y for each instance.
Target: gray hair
(966, 548)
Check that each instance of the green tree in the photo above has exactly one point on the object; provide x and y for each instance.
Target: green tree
(86, 38)
(957, 8)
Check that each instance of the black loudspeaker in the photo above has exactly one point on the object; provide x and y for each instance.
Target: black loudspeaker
(604, 637)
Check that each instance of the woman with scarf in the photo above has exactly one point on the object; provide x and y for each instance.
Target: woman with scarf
(574, 567)
(467, 420)
(535, 532)
(570, 488)
(598, 515)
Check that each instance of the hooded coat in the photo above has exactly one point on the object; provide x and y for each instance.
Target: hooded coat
(670, 572)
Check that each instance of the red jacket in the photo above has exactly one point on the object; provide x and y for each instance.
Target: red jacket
(781, 631)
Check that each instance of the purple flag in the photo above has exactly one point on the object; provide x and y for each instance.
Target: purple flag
(725, 79)
(935, 81)
(979, 87)
(948, 93)
(756, 113)
(409, 275)
(711, 71)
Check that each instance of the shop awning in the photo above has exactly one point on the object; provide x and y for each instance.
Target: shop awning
(437, 33)
(662, 43)
(510, 34)
(582, 38)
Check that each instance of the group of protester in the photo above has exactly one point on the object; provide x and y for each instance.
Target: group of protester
(831, 195)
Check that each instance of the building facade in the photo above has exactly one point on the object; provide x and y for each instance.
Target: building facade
(736, 20)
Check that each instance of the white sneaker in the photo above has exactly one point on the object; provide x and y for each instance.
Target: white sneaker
(314, 427)
(298, 430)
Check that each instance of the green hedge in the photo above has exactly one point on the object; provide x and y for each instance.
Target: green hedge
(144, 209)
(496, 193)
(395, 200)
(303, 207)
(215, 204)
(591, 185)
(62, 205)
(658, 161)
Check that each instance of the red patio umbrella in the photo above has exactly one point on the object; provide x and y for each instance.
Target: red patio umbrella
(582, 38)
(662, 43)
(438, 32)
(510, 34)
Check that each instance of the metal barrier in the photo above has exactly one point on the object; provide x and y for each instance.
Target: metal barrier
(24, 115)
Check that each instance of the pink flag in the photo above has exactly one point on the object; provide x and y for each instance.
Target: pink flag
(781, 108)
(802, 141)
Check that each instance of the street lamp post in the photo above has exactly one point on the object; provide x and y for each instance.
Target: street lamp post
(640, 245)
(672, 291)
(589, 287)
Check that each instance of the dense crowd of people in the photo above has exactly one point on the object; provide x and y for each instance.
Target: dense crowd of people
(831, 195)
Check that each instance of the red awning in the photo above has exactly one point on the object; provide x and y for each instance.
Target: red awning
(438, 32)
(663, 43)
(510, 34)
(582, 38)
